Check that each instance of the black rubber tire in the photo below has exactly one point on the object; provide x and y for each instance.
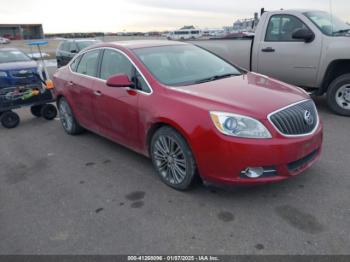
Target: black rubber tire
(332, 91)
(48, 111)
(75, 129)
(191, 170)
(36, 110)
(9, 119)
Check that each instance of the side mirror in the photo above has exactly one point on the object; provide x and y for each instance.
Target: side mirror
(304, 34)
(119, 80)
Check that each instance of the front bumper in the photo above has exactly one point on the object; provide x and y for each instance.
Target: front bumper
(221, 159)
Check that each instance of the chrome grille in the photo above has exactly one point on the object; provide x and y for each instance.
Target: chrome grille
(297, 119)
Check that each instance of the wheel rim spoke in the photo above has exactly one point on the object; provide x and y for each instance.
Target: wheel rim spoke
(170, 176)
(160, 148)
(343, 97)
(164, 144)
(180, 172)
(170, 159)
(66, 116)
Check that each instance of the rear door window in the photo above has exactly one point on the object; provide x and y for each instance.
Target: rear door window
(89, 63)
(75, 63)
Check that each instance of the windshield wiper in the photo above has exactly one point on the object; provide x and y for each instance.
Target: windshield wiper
(342, 31)
(215, 77)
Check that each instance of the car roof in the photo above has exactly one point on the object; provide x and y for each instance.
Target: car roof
(134, 44)
(294, 11)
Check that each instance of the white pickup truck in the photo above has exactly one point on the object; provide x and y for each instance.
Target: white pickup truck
(310, 49)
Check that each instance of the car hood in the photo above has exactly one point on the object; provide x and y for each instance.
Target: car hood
(18, 65)
(249, 94)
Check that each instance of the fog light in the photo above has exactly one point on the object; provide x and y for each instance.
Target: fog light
(253, 172)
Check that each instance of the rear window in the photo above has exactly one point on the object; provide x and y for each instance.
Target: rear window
(10, 56)
(75, 63)
(88, 63)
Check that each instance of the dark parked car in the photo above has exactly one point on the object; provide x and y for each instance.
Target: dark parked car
(191, 112)
(69, 48)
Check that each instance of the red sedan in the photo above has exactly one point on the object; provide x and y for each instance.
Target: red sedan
(190, 111)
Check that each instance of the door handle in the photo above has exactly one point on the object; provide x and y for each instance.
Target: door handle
(98, 93)
(268, 50)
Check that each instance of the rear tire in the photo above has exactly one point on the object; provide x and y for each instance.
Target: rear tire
(172, 158)
(9, 119)
(68, 121)
(48, 111)
(338, 95)
(36, 110)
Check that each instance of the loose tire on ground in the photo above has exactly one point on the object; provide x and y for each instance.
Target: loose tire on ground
(9, 119)
(172, 158)
(36, 110)
(68, 121)
(48, 111)
(338, 95)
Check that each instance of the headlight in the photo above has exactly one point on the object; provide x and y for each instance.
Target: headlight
(239, 126)
(3, 74)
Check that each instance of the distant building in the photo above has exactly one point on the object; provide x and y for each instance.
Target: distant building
(21, 31)
(247, 24)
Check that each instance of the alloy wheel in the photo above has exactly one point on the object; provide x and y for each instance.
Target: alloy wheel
(66, 115)
(170, 160)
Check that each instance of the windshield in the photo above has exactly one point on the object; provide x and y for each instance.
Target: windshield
(9, 56)
(328, 24)
(184, 64)
(84, 44)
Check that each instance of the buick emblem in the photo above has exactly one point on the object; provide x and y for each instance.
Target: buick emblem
(308, 118)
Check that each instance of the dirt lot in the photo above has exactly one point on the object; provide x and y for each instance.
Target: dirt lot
(86, 195)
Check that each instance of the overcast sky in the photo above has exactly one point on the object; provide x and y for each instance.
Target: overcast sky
(146, 15)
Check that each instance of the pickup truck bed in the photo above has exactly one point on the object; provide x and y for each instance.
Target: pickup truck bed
(228, 49)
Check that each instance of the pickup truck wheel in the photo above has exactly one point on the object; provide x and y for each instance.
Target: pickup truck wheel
(338, 95)
(172, 158)
(68, 121)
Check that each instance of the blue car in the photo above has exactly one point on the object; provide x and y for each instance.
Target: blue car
(16, 68)
(22, 83)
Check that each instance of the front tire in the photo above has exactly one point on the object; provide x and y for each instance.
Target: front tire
(68, 121)
(172, 158)
(338, 95)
